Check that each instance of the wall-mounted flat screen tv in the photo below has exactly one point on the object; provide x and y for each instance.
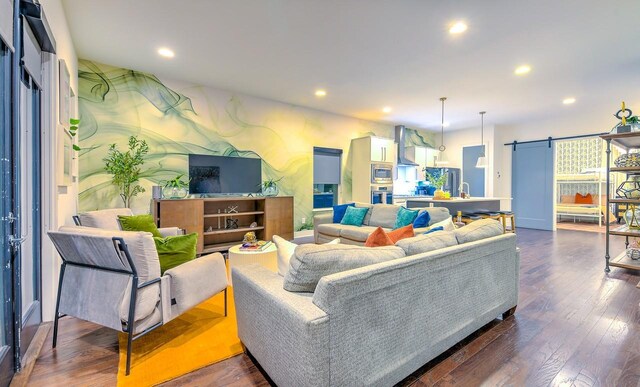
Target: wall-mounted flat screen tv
(224, 174)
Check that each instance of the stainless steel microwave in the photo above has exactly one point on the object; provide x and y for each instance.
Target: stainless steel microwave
(381, 173)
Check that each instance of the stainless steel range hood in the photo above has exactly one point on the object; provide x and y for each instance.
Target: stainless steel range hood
(402, 152)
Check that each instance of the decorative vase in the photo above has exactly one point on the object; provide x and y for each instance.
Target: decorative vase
(633, 253)
(270, 191)
(250, 239)
(174, 193)
(632, 217)
(156, 192)
(439, 194)
(629, 189)
(628, 160)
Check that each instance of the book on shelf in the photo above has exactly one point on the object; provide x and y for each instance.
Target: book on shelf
(260, 246)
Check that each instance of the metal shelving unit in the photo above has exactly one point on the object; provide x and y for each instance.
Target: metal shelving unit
(626, 141)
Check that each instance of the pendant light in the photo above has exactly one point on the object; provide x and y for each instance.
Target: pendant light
(482, 159)
(442, 159)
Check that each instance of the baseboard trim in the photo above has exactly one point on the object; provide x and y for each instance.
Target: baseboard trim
(21, 378)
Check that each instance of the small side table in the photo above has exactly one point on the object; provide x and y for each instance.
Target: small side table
(267, 258)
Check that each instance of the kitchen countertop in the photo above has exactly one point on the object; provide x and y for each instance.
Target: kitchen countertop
(452, 200)
(458, 204)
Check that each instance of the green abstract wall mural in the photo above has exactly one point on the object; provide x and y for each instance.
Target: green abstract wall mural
(178, 118)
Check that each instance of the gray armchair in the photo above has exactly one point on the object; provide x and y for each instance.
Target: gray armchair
(108, 220)
(112, 278)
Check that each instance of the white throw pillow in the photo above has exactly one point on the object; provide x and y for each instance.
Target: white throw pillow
(446, 224)
(286, 250)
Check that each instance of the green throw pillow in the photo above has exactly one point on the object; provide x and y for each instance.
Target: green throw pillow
(139, 223)
(176, 250)
(354, 216)
(405, 217)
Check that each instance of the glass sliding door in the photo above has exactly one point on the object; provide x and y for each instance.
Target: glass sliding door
(6, 280)
(28, 186)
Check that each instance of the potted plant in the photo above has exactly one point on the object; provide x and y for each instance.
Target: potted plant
(634, 122)
(125, 168)
(628, 124)
(437, 179)
(270, 187)
(175, 188)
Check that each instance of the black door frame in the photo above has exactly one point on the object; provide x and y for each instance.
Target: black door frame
(24, 326)
(7, 353)
(27, 323)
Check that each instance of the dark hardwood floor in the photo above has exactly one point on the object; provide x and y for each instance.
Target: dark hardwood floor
(574, 326)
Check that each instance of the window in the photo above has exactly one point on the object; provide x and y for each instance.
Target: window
(327, 164)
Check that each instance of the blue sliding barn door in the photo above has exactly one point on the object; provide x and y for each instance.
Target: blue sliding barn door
(532, 185)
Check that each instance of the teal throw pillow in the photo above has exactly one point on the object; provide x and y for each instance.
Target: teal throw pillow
(339, 211)
(405, 217)
(176, 250)
(354, 216)
(139, 223)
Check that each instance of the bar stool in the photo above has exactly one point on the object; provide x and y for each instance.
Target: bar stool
(495, 215)
(468, 217)
(512, 219)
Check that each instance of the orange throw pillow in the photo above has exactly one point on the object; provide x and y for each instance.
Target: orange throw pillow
(568, 199)
(587, 199)
(378, 238)
(401, 233)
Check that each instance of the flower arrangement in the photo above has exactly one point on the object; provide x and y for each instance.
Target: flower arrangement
(436, 178)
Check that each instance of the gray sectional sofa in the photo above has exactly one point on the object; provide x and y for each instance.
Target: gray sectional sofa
(374, 325)
(382, 215)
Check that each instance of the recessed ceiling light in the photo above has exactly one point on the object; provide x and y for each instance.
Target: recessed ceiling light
(522, 70)
(320, 93)
(457, 28)
(568, 101)
(386, 109)
(165, 52)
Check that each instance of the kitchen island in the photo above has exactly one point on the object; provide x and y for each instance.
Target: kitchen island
(465, 205)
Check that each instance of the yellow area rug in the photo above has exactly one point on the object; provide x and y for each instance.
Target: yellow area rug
(198, 338)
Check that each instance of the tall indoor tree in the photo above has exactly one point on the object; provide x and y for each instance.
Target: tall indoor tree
(125, 168)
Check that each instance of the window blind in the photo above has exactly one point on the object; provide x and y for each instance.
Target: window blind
(6, 22)
(326, 165)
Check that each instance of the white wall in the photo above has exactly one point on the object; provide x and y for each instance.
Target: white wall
(455, 140)
(59, 202)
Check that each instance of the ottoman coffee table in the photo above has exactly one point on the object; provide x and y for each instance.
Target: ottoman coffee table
(267, 258)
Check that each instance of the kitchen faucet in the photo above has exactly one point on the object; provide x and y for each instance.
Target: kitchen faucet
(461, 188)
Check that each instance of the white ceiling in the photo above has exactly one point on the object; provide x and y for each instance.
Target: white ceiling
(373, 53)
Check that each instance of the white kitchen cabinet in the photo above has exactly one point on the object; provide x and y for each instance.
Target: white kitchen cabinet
(423, 156)
(382, 150)
(430, 157)
(364, 152)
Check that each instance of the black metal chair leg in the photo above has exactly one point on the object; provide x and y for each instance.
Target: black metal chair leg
(129, 343)
(57, 316)
(131, 321)
(225, 302)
